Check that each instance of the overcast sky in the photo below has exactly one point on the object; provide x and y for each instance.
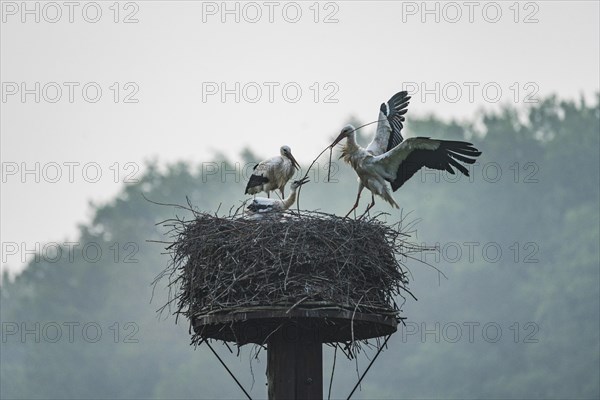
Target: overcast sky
(83, 94)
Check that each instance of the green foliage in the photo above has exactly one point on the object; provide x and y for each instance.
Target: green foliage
(543, 292)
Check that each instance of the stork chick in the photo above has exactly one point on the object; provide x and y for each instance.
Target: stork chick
(263, 205)
(273, 173)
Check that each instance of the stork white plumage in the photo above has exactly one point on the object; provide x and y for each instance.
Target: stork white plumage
(390, 159)
(273, 173)
(263, 205)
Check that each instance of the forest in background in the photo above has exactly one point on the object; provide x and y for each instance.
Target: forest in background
(516, 315)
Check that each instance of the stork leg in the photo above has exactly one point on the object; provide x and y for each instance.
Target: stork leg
(360, 189)
(369, 206)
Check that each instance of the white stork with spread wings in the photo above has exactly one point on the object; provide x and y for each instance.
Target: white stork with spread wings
(273, 173)
(264, 206)
(390, 159)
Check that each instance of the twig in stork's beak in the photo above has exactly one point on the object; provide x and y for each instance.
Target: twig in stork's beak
(338, 139)
(329, 164)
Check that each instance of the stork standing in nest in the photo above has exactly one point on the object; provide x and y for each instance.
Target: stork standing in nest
(390, 159)
(273, 173)
(263, 205)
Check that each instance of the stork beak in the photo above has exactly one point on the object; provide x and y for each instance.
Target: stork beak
(294, 162)
(338, 139)
(303, 181)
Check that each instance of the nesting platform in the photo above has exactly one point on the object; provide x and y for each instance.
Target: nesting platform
(324, 326)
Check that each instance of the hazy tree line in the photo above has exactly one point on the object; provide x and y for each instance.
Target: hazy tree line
(516, 317)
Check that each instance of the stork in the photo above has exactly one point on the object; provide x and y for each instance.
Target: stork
(263, 205)
(390, 159)
(273, 173)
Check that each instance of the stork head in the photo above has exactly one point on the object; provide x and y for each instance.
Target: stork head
(296, 184)
(287, 152)
(346, 131)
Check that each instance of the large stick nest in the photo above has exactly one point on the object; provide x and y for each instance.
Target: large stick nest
(312, 260)
(220, 264)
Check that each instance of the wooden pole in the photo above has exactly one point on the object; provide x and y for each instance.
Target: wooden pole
(294, 341)
(295, 364)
